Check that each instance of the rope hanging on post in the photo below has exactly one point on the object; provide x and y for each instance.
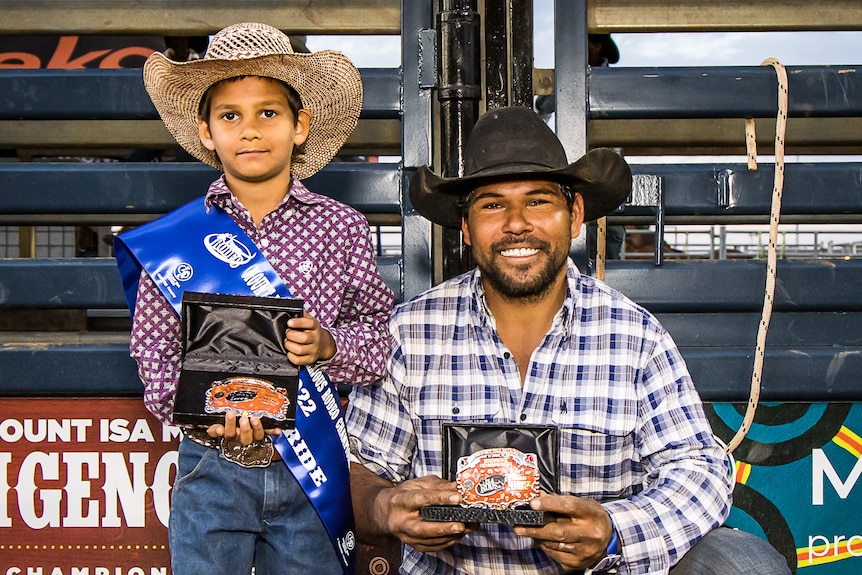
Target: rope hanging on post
(771, 263)
(601, 246)
(751, 144)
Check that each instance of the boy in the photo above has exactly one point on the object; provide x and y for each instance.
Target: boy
(267, 117)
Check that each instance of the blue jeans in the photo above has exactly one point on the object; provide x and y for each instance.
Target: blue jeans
(726, 551)
(226, 518)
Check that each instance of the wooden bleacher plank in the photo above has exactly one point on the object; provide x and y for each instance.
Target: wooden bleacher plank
(728, 15)
(90, 368)
(383, 16)
(724, 136)
(198, 17)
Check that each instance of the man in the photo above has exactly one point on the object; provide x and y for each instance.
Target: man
(526, 339)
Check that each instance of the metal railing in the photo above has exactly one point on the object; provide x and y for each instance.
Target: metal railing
(724, 242)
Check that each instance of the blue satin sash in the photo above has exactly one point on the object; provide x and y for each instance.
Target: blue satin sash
(206, 251)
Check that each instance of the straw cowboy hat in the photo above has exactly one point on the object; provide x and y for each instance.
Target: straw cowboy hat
(515, 144)
(327, 82)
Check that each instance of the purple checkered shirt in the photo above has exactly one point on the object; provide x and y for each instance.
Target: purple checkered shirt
(322, 250)
(633, 434)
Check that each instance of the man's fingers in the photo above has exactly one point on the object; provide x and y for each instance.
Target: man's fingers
(414, 499)
(568, 506)
(429, 535)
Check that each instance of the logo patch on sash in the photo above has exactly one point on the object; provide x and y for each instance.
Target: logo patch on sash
(225, 247)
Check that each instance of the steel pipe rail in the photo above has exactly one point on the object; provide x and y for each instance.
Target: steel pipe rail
(723, 92)
(90, 283)
(119, 94)
(130, 189)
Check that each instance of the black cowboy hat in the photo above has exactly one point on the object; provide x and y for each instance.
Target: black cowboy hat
(515, 144)
(609, 50)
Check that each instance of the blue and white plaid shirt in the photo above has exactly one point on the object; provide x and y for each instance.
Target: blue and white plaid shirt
(633, 434)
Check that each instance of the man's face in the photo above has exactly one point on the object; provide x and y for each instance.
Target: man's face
(520, 234)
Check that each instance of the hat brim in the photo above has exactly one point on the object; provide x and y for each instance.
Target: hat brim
(327, 82)
(602, 177)
(611, 52)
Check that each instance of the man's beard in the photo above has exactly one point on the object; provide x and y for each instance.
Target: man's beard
(525, 283)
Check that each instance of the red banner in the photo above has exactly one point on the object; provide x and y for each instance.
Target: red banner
(48, 51)
(85, 487)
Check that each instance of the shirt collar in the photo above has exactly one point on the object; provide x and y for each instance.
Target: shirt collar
(561, 319)
(218, 193)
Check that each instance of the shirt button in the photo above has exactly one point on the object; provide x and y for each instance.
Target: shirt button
(507, 355)
(289, 212)
(523, 417)
(264, 242)
(456, 411)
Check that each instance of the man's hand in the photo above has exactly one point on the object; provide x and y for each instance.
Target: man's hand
(306, 341)
(384, 511)
(579, 535)
(401, 504)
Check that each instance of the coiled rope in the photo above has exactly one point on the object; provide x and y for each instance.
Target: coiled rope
(772, 257)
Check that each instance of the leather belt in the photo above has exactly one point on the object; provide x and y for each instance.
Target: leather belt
(256, 454)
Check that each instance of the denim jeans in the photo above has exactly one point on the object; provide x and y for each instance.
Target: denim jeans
(726, 551)
(226, 518)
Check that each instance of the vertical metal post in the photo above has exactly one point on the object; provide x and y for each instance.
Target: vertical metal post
(571, 55)
(459, 93)
(508, 53)
(417, 19)
(496, 38)
(659, 228)
(521, 26)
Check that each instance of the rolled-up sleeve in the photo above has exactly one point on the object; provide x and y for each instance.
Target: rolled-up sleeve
(380, 430)
(687, 486)
(155, 346)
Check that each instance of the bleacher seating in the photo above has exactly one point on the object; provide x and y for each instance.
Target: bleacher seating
(711, 307)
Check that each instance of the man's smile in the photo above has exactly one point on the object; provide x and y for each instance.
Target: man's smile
(519, 252)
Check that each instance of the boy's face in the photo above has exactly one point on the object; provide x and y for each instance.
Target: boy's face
(252, 129)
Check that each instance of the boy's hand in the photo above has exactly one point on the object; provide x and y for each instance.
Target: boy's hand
(246, 428)
(306, 341)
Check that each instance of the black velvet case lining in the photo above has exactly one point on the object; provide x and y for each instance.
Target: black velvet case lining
(231, 335)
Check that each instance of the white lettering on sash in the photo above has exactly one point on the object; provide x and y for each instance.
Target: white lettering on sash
(257, 282)
(306, 458)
